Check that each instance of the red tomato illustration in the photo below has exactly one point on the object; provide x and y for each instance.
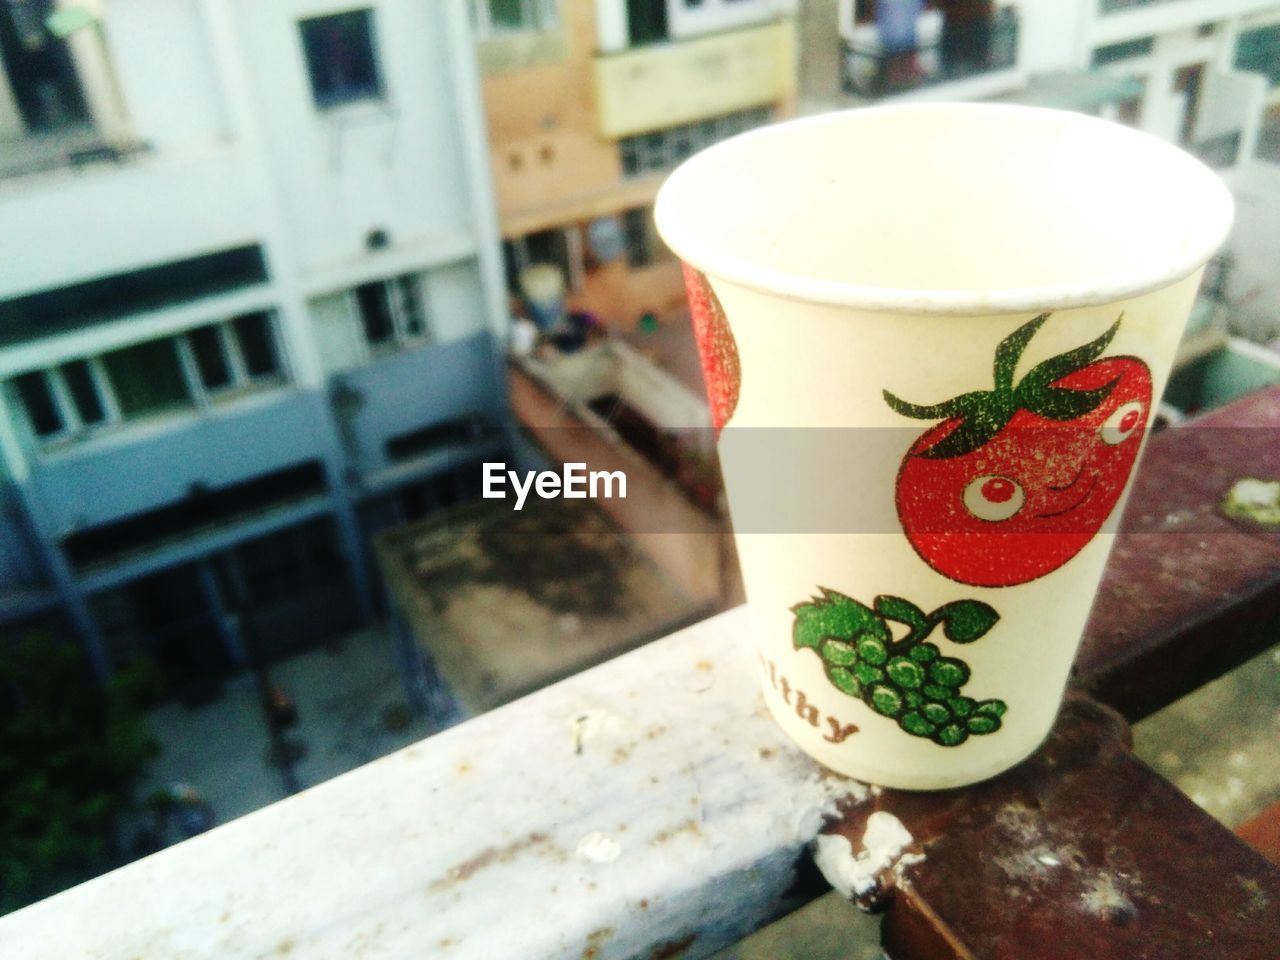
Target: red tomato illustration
(716, 347)
(1015, 481)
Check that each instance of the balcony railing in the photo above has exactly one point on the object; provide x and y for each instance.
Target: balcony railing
(72, 148)
(870, 71)
(667, 84)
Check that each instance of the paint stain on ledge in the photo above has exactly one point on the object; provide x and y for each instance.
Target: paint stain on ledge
(599, 848)
(1255, 500)
(464, 871)
(859, 876)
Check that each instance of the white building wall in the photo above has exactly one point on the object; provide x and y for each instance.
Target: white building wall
(394, 164)
(67, 226)
(454, 299)
(1050, 35)
(151, 39)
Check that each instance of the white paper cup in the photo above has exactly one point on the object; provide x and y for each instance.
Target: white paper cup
(933, 336)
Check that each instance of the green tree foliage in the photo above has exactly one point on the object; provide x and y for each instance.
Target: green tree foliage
(71, 751)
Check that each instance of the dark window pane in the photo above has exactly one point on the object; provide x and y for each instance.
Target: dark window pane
(1258, 51)
(253, 334)
(340, 57)
(272, 566)
(197, 513)
(320, 542)
(211, 358)
(83, 391)
(507, 15)
(549, 246)
(33, 388)
(147, 378)
(637, 236)
(410, 303)
(1114, 52)
(107, 298)
(646, 21)
(375, 312)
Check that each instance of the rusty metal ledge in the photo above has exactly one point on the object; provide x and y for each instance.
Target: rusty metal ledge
(1081, 851)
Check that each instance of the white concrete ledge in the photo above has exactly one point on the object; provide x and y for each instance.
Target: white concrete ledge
(643, 805)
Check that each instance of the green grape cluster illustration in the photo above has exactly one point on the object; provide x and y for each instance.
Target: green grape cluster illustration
(907, 680)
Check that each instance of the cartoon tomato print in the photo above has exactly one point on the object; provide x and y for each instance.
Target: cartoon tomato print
(716, 346)
(1015, 481)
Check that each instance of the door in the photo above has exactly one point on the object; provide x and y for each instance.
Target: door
(1187, 81)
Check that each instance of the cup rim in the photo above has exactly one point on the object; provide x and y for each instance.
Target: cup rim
(683, 240)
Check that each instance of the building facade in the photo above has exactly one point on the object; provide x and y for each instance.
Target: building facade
(590, 103)
(1207, 75)
(251, 311)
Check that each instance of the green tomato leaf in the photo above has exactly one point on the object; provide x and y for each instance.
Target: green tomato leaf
(835, 616)
(964, 621)
(1010, 351)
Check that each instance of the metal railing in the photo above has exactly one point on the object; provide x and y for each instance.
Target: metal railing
(956, 54)
(73, 150)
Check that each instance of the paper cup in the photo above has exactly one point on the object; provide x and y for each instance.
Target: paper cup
(933, 337)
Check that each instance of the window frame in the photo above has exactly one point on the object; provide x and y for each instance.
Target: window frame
(402, 337)
(659, 151)
(330, 102)
(644, 245)
(75, 428)
(538, 16)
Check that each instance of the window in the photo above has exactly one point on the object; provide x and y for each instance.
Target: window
(199, 511)
(64, 400)
(342, 61)
(391, 311)
(561, 247)
(235, 355)
(1126, 50)
(42, 410)
(39, 68)
(1258, 51)
(39, 315)
(150, 378)
(644, 246)
(663, 149)
(646, 21)
(435, 438)
(252, 334)
(84, 391)
(496, 17)
(210, 354)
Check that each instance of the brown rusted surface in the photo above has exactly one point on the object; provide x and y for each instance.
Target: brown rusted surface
(1263, 833)
(1188, 594)
(1080, 852)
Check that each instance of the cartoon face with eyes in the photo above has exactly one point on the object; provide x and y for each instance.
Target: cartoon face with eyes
(1015, 481)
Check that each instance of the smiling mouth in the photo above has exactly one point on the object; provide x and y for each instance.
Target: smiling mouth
(1093, 482)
